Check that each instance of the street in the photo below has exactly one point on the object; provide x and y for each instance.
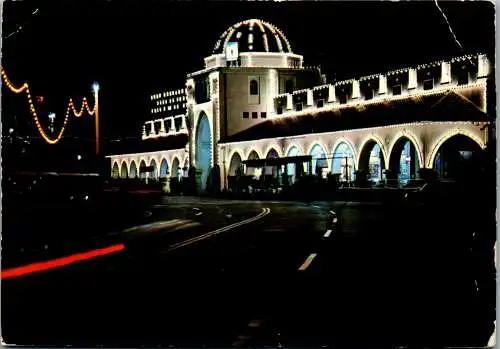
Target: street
(246, 273)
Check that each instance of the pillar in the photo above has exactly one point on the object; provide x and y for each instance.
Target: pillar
(382, 89)
(289, 101)
(310, 98)
(445, 72)
(412, 79)
(331, 94)
(356, 93)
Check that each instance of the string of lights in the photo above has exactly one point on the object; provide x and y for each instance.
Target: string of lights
(70, 108)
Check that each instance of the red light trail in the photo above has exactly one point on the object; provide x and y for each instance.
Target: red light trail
(60, 262)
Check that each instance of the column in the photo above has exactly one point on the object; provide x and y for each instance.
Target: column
(172, 125)
(152, 131)
(162, 127)
(310, 98)
(289, 101)
(483, 66)
(356, 93)
(445, 72)
(331, 94)
(382, 89)
(412, 79)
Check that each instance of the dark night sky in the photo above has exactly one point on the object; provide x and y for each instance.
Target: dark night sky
(131, 48)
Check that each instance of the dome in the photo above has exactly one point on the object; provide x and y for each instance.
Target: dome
(254, 35)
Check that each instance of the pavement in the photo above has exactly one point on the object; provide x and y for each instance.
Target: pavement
(221, 273)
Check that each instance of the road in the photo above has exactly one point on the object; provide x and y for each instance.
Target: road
(236, 274)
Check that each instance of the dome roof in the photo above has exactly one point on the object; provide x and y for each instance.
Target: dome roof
(254, 35)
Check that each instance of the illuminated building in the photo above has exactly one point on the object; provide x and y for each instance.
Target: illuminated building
(255, 100)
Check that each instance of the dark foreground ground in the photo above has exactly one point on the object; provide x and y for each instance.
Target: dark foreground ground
(277, 273)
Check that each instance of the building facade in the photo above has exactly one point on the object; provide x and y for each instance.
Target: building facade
(255, 100)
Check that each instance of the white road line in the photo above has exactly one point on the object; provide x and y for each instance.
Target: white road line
(308, 261)
(327, 234)
(199, 214)
(333, 213)
(265, 212)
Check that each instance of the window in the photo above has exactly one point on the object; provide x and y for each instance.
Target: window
(463, 76)
(254, 88)
(254, 115)
(263, 115)
(298, 106)
(428, 84)
(246, 115)
(289, 86)
(279, 110)
(320, 103)
(368, 94)
(396, 90)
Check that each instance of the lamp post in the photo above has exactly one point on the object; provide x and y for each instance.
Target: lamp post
(95, 88)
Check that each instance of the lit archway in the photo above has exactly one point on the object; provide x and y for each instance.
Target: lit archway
(175, 168)
(319, 161)
(115, 172)
(124, 170)
(203, 149)
(292, 168)
(344, 163)
(457, 157)
(154, 173)
(404, 160)
(185, 168)
(253, 171)
(235, 164)
(142, 175)
(133, 169)
(371, 161)
(163, 168)
(272, 170)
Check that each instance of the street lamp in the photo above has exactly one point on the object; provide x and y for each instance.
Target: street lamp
(95, 88)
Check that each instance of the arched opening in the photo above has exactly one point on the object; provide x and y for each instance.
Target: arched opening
(343, 163)
(203, 149)
(404, 161)
(176, 170)
(272, 170)
(115, 173)
(319, 161)
(371, 161)
(253, 171)
(164, 168)
(292, 168)
(235, 164)
(154, 173)
(142, 174)
(133, 169)
(457, 158)
(185, 168)
(254, 88)
(124, 170)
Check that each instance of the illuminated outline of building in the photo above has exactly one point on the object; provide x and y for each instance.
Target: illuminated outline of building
(264, 102)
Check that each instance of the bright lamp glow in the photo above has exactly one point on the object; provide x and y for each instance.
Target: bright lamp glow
(95, 87)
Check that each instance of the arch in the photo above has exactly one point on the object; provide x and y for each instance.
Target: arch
(372, 158)
(298, 150)
(254, 87)
(203, 148)
(405, 158)
(447, 136)
(272, 170)
(291, 169)
(235, 163)
(175, 168)
(133, 169)
(124, 170)
(253, 155)
(154, 173)
(142, 175)
(344, 160)
(319, 160)
(275, 147)
(115, 172)
(413, 139)
(272, 154)
(185, 168)
(164, 168)
(458, 157)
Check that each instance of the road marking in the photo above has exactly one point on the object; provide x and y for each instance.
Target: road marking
(333, 213)
(316, 206)
(265, 212)
(334, 220)
(60, 262)
(199, 214)
(308, 261)
(327, 234)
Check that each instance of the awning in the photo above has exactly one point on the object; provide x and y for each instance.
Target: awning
(277, 161)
